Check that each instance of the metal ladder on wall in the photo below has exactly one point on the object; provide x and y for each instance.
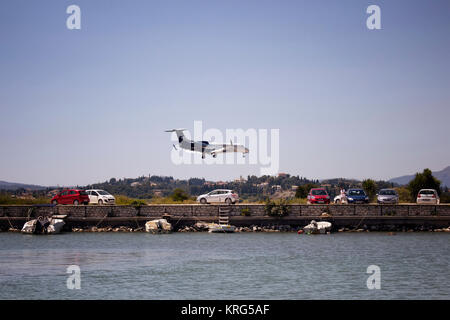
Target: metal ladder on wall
(224, 215)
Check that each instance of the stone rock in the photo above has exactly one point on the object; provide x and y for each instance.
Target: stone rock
(158, 226)
(202, 226)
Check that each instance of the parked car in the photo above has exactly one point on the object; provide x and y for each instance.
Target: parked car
(387, 196)
(71, 196)
(318, 195)
(100, 197)
(428, 196)
(341, 198)
(357, 196)
(219, 195)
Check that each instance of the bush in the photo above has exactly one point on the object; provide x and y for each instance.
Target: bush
(404, 196)
(124, 200)
(138, 203)
(370, 187)
(245, 212)
(278, 208)
(179, 195)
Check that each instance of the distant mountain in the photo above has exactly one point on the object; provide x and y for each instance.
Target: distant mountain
(4, 185)
(443, 175)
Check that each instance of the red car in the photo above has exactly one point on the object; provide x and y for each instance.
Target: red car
(71, 196)
(318, 195)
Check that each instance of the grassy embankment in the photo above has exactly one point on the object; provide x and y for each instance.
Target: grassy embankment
(6, 199)
(124, 200)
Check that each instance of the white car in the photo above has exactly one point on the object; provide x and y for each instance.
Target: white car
(428, 196)
(340, 199)
(100, 197)
(219, 195)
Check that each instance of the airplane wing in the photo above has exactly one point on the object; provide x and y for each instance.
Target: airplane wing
(216, 150)
(222, 148)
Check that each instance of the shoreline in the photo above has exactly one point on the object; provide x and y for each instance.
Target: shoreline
(253, 229)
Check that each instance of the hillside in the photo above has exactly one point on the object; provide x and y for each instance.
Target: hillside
(156, 186)
(4, 185)
(443, 175)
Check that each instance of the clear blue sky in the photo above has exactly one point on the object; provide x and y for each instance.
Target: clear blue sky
(82, 106)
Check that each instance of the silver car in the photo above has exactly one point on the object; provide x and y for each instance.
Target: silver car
(218, 196)
(428, 196)
(388, 196)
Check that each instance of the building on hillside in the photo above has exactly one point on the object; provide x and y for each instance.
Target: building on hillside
(262, 184)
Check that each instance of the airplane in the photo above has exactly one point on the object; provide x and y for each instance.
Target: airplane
(205, 147)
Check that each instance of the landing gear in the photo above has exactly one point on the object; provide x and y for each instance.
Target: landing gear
(203, 156)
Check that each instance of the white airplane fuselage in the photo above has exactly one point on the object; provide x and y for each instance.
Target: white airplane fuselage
(205, 147)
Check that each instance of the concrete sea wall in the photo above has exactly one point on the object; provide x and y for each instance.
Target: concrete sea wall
(371, 217)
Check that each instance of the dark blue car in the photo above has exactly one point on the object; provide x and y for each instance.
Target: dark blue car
(357, 196)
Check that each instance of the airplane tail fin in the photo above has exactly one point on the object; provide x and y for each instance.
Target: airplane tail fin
(179, 132)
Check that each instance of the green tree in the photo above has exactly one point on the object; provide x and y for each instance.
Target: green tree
(303, 190)
(424, 180)
(179, 195)
(370, 187)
